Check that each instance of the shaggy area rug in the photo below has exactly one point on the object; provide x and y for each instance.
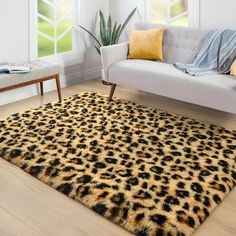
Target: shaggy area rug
(149, 171)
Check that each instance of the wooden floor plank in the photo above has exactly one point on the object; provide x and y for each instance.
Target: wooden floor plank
(10, 225)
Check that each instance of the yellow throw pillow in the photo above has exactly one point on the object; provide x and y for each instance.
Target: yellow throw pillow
(233, 69)
(146, 44)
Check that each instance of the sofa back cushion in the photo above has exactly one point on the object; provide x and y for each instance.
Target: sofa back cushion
(180, 44)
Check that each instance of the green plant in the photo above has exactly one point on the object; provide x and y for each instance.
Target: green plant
(109, 33)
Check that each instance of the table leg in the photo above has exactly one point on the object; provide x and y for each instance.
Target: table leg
(58, 87)
(41, 88)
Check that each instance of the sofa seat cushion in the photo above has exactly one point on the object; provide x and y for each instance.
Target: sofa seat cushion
(217, 91)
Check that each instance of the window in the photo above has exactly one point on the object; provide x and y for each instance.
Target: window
(176, 12)
(52, 29)
(54, 26)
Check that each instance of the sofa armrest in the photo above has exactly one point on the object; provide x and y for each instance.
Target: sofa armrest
(111, 54)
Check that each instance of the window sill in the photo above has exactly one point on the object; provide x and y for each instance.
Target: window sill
(66, 59)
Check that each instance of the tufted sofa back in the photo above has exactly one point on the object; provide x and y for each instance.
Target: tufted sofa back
(180, 44)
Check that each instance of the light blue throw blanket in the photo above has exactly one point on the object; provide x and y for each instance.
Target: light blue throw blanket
(216, 54)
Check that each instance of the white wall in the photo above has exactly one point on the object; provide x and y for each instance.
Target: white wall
(218, 13)
(119, 10)
(14, 44)
(14, 30)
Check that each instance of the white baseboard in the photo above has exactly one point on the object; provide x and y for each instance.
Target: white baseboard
(33, 90)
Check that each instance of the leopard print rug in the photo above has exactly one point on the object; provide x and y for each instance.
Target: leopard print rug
(149, 171)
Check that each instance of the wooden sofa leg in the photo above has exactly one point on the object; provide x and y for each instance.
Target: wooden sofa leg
(113, 87)
(41, 88)
(58, 87)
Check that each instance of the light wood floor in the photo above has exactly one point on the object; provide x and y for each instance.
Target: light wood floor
(29, 207)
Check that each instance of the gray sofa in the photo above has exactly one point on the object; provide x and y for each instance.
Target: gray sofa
(180, 44)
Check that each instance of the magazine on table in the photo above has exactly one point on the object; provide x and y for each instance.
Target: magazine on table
(14, 68)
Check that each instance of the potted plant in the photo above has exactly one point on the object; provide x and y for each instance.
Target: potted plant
(109, 33)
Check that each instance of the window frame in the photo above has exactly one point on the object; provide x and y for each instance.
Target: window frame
(193, 12)
(75, 56)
